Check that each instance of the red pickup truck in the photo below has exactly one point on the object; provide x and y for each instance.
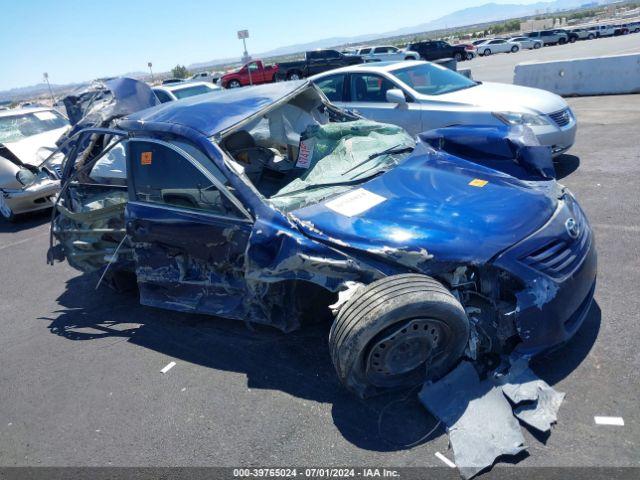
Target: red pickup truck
(253, 73)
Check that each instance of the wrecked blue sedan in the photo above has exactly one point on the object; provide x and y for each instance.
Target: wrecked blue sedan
(267, 203)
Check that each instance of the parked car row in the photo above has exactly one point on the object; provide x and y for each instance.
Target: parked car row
(543, 38)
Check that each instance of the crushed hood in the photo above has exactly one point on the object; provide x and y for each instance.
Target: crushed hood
(436, 204)
(25, 149)
(501, 97)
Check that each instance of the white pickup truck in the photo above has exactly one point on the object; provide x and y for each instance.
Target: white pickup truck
(603, 30)
(386, 53)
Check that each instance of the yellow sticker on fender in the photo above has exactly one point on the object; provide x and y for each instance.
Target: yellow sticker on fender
(476, 182)
(145, 158)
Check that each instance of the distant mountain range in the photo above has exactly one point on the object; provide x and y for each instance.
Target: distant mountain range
(469, 16)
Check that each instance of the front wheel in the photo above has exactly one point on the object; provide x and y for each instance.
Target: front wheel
(235, 84)
(536, 45)
(487, 52)
(469, 56)
(572, 40)
(591, 36)
(514, 49)
(458, 56)
(398, 331)
(294, 76)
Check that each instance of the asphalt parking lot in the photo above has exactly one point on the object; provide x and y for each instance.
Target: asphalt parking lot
(80, 380)
(499, 67)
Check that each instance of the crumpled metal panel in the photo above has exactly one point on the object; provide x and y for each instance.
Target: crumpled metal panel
(537, 403)
(477, 417)
(514, 150)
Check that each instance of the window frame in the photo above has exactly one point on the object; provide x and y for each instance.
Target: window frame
(203, 170)
(343, 95)
(347, 87)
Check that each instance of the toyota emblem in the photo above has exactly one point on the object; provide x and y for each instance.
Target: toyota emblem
(572, 228)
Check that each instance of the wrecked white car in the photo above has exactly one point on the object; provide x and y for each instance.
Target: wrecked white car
(27, 138)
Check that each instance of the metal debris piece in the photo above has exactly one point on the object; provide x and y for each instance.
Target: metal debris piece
(465, 404)
(537, 404)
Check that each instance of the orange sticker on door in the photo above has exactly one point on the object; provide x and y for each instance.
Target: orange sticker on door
(145, 158)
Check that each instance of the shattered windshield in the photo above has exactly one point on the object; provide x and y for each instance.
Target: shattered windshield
(430, 79)
(16, 127)
(340, 156)
(304, 151)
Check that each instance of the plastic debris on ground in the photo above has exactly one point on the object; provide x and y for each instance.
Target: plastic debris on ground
(464, 403)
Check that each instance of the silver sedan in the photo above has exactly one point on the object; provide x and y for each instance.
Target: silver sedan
(527, 42)
(420, 96)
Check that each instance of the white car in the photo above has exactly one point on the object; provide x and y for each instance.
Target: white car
(420, 96)
(386, 53)
(603, 30)
(497, 45)
(201, 77)
(27, 138)
(584, 33)
(176, 91)
(527, 42)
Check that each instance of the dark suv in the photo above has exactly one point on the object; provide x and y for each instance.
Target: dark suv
(437, 49)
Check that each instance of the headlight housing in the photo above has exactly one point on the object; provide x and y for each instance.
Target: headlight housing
(517, 118)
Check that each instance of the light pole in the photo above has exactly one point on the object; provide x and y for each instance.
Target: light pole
(243, 35)
(46, 79)
(151, 65)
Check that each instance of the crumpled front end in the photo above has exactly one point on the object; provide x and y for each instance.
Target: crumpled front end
(558, 266)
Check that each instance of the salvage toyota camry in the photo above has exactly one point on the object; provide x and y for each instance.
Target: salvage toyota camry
(261, 203)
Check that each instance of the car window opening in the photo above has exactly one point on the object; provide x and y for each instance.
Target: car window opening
(299, 153)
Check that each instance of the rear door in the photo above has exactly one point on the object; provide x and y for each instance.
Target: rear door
(188, 230)
(316, 62)
(432, 51)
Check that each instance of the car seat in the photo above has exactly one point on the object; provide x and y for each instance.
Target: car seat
(253, 158)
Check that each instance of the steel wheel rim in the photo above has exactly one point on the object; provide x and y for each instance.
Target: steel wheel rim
(407, 347)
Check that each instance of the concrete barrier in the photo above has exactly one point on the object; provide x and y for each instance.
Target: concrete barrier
(608, 75)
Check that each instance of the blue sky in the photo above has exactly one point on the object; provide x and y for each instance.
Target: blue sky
(76, 40)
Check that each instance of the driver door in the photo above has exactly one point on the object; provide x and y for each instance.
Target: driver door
(367, 97)
(188, 230)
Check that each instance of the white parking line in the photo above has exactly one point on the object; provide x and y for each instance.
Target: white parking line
(445, 460)
(24, 240)
(617, 421)
(168, 367)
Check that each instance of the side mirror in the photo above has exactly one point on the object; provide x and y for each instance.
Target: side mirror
(395, 95)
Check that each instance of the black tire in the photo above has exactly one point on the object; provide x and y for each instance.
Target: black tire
(536, 45)
(591, 36)
(572, 40)
(294, 76)
(457, 56)
(234, 84)
(487, 52)
(469, 56)
(409, 315)
(562, 41)
(514, 49)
